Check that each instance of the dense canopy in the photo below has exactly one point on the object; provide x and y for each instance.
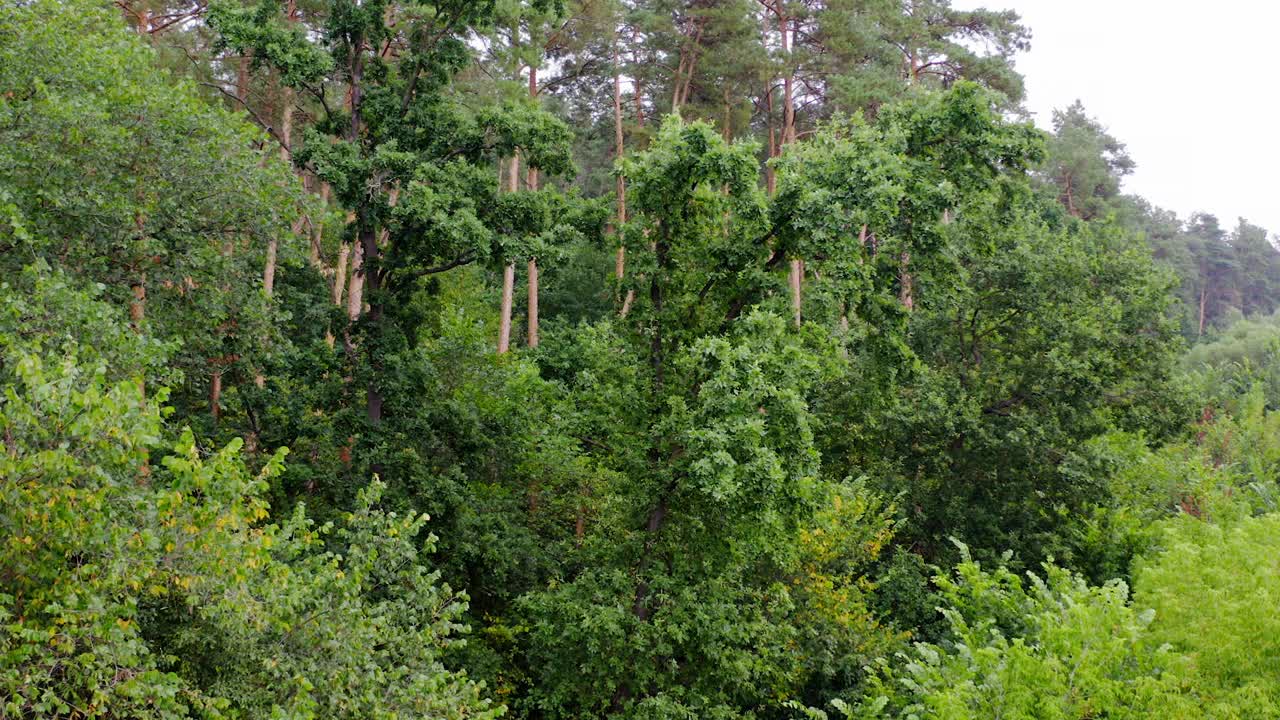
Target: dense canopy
(645, 359)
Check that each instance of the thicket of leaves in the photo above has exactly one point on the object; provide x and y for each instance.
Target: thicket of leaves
(142, 577)
(960, 471)
(1183, 639)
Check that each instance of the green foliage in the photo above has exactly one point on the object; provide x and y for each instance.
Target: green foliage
(706, 492)
(1047, 339)
(1221, 275)
(702, 417)
(125, 179)
(1085, 163)
(48, 314)
(134, 588)
(1220, 470)
(1239, 359)
(1208, 587)
(278, 45)
(1051, 647)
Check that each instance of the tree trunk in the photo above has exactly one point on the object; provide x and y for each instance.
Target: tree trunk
(340, 273)
(508, 271)
(365, 272)
(675, 85)
(138, 306)
(788, 137)
(286, 139)
(796, 280)
(788, 80)
(727, 130)
(355, 286)
(844, 307)
(532, 338)
(1203, 293)
(1071, 204)
(215, 394)
(242, 80)
(658, 515)
(769, 180)
(286, 125)
(770, 177)
(369, 251)
(905, 287)
(638, 99)
(269, 288)
(683, 83)
(317, 230)
(364, 253)
(269, 268)
(339, 284)
(620, 183)
(639, 103)
(626, 302)
(286, 155)
(531, 179)
(504, 324)
(533, 303)
(355, 89)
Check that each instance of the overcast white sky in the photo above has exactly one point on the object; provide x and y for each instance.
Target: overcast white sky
(1189, 87)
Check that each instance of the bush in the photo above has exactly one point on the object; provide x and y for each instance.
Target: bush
(138, 578)
(1051, 647)
(1214, 590)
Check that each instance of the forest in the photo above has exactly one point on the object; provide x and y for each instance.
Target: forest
(632, 359)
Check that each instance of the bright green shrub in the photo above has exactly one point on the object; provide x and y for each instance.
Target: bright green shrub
(1214, 590)
(1051, 647)
(138, 578)
(1239, 359)
(1143, 486)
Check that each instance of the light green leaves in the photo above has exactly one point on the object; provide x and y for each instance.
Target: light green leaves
(1033, 647)
(141, 579)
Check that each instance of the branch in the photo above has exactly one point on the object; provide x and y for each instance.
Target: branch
(417, 64)
(319, 94)
(174, 19)
(1002, 408)
(463, 259)
(556, 35)
(265, 125)
(577, 73)
(595, 443)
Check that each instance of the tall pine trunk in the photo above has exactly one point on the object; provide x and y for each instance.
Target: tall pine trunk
(788, 79)
(138, 305)
(504, 324)
(355, 285)
(508, 272)
(905, 283)
(215, 394)
(1203, 294)
(340, 273)
(620, 184)
(286, 142)
(796, 281)
(770, 181)
(795, 278)
(532, 181)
